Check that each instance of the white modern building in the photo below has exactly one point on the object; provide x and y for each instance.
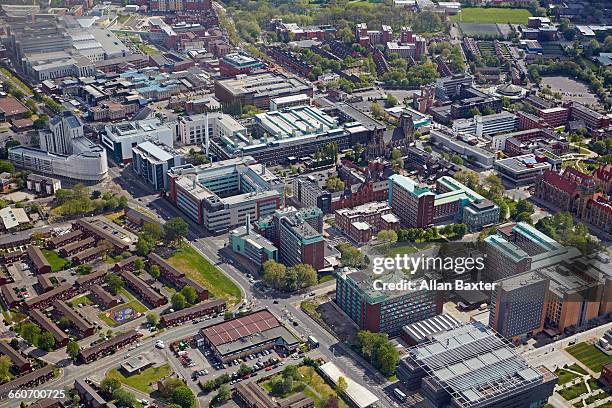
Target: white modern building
(152, 160)
(63, 129)
(289, 101)
(120, 138)
(58, 64)
(478, 155)
(88, 163)
(488, 125)
(198, 129)
(64, 152)
(224, 194)
(97, 44)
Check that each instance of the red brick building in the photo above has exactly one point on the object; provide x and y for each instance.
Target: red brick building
(362, 222)
(555, 117)
(179, 5)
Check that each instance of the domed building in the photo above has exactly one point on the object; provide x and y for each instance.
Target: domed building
(509, 91)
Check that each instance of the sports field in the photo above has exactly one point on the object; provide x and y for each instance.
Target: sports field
(492, 15)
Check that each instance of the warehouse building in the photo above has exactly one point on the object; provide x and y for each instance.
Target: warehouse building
(248, 334)
(258, 89)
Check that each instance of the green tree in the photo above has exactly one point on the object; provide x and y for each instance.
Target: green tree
(274, 274)
(175, 230)
(30, 332)
(190, 294)
(184, 397)
(386, 238)
(153, 319)
(350, 256)
(114, 283)
(223, 394)
(291, 280)
(342, 385)
(169, 385)
(334, 183)
(64, 323)
(457, 160)
(6, 167)
(124, 398)
(154, 271)
(139, 264)
(306, 275)
(152, 231)
(5, 365)
(391, 101)
(178, 301)
(46, 341)
(599, 147)
(244, 370)
(73, 349)
(109, 385)
(377, 110)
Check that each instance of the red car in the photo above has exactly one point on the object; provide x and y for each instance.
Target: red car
(268, 368)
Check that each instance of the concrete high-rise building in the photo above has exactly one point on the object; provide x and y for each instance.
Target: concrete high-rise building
(64, 128)
(297, 234)
(518, 304)
(223, 194)
(471, 366)
(152, 160)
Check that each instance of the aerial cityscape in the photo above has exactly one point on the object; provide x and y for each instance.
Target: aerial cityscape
(305, 203)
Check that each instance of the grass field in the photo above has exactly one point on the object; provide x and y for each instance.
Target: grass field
(573, 391)
(492, 15)
(84, 300)
(590, 356)
(401, 249)
(143, 380)
(56, 261)
(480, 30)
(194, 265)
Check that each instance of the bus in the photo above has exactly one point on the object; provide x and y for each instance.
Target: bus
(399, 394)
(314, 343)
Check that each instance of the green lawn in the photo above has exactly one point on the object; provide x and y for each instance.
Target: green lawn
(574, 391)
(492, 15)
(326, 278)
(148, 49)
(590, 356)
(85, 300)
(56, 261)
(401, 249)
(142, 381)
(564, 376)
(194, 265)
